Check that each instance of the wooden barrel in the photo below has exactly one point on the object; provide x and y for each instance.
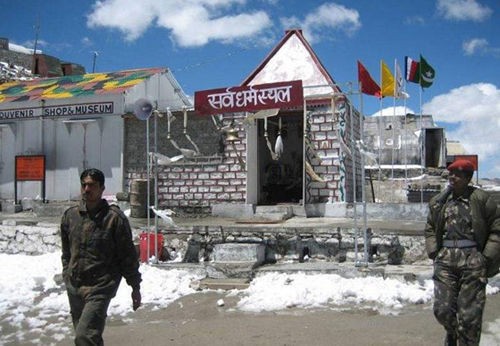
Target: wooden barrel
(139, 197)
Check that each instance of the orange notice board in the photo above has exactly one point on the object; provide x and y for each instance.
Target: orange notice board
(30, 167)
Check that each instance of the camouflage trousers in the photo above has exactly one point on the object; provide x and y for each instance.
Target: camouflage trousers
(460, 293)
(89, 317)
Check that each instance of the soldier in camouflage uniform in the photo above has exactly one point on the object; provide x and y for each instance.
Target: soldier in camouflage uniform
(462, 236)
(97, 251)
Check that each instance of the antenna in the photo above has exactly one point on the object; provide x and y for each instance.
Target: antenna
(37, 31)
(93, 61)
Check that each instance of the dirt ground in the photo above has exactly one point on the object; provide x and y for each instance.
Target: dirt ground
(198, 320)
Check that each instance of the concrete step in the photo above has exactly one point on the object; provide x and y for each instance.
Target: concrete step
(274, 212)
(224, 284)
(238, 252)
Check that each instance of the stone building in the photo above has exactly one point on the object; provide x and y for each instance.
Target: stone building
(234, 162)
(406, 140)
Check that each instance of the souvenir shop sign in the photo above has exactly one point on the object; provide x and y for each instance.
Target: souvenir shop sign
(56, 111)
(249, 98)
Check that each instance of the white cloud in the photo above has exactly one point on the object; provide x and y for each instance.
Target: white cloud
(463, 10)
(23, 49)
(87, 42)
(473, 110)
(329, 16)
(191, 23)
(480, 46)
(415, 20)
(475, 45)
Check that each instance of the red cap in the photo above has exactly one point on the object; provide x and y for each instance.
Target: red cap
(462, 165)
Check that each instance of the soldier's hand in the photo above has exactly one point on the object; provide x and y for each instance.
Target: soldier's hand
(136, 298)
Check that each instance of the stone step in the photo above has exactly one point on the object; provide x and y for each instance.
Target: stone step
(238, 252)
(274, 212)
(224, 284)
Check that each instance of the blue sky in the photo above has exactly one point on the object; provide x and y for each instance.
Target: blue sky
(218, 43)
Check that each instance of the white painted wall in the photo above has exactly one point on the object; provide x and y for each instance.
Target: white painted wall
(68, 148)
(71, 147)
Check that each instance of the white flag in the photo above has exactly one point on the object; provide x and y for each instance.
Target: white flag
(399, 84)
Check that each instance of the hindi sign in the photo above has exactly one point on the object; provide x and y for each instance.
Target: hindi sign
(249, 98)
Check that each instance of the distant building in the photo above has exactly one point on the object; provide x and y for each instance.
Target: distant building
(406, 140)
(46, 66)
(40, 65)
(4, 43)
(69, 69)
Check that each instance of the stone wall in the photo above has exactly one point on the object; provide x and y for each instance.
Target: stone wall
(332, 160)
(336, 245)
(196, 244)
(29, 238)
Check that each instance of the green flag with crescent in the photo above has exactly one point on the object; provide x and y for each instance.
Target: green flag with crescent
(427, 73)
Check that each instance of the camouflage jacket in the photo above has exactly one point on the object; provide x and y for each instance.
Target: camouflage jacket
(98, 251)
(485, 215)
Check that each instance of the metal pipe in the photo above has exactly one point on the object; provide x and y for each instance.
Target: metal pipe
(155, 113)
(148, 172)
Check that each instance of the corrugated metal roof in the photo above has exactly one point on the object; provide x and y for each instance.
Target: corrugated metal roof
(74, 85)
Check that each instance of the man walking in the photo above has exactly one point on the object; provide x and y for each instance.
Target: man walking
(97, 251)
(462, 236)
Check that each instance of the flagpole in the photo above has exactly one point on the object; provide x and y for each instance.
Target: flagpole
(363, 180)
(393, 121)
(356, 228)
(401, 92)
(422, 144)
(363, 185)
(380, 136)
(370, 87)
(353, 165)
(405, 132)
(393, 134)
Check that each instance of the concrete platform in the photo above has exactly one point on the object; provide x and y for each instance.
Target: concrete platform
(224, 284)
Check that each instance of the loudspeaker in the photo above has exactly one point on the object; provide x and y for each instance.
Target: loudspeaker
(143, 108)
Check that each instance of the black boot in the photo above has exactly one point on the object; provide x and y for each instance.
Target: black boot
(450, 340)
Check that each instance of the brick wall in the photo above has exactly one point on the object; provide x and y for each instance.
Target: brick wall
(194, 185)
(216, 176)
(329, 159)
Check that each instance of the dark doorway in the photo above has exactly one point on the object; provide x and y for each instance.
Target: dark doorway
(434, 147)
(280, 181)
